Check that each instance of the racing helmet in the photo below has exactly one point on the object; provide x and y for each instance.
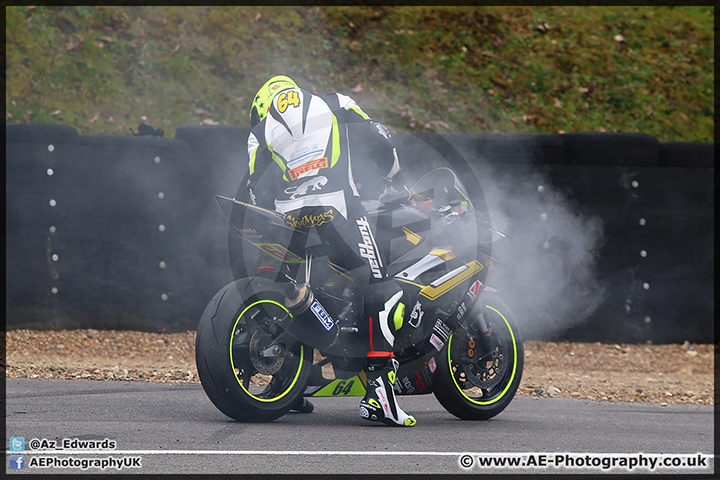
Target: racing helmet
(264, 97)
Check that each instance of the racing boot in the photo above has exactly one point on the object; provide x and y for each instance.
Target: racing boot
(380, 404)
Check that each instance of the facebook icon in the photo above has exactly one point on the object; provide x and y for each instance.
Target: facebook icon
(17, 462)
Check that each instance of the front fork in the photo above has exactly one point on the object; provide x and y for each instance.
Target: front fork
(477, 342)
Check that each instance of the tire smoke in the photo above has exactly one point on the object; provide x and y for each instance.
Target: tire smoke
(546, 268)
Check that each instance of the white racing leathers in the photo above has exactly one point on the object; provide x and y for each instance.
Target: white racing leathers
(301, 165)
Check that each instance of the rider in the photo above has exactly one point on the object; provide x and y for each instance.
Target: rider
(300, 165)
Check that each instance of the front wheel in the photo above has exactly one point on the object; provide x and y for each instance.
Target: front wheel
(245, 373)
(478, 373)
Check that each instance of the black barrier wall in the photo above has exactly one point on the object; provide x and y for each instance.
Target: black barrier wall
(123, 231)
(107, 231)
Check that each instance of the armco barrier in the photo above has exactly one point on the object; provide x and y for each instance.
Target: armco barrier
(134, 238)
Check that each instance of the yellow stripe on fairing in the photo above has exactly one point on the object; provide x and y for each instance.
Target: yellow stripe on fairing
(342, 273)
(408, 281)
(442, 253)
(432, 293)
(411, 236)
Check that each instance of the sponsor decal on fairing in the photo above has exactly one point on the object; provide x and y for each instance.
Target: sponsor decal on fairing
(368, 250)
(442, 330)
(475, 289)
(416, 315)
(437, 343)
(432, 365)
(322, 315)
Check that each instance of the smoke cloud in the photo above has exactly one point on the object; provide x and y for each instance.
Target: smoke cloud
(546, 268)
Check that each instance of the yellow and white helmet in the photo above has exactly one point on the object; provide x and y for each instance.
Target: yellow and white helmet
(264, 97)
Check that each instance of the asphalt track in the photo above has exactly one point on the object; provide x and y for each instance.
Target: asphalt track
(173, 428)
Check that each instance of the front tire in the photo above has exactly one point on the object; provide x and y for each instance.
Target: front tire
(477, 378)
(237, 325)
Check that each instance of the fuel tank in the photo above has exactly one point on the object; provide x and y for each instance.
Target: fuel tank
(399, 230)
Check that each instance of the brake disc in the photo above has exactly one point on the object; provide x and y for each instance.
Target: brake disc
(483, 360)
(265, 365)
(488, 371)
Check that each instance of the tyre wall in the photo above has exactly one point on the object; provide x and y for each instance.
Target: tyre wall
(108, 231)
(124, 232)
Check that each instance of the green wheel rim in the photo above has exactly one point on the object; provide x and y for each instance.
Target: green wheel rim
(514, 366)
(232, 362)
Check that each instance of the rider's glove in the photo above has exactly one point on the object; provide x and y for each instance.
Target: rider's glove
(392, 194)
(251, 192)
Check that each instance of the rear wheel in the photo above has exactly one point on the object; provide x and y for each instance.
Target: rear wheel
(247, 374)
(478, 374)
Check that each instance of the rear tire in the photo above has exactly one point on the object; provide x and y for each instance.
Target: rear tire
(476, 381)
(234, 329)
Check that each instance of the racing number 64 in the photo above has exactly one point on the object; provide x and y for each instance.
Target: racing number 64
(289, 98)
(343, 388)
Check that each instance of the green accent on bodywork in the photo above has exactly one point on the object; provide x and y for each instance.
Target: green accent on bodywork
(232, 363)
(357, 388)
(399, 316)
(514, 367)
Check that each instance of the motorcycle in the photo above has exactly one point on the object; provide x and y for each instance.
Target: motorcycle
(268, 340)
